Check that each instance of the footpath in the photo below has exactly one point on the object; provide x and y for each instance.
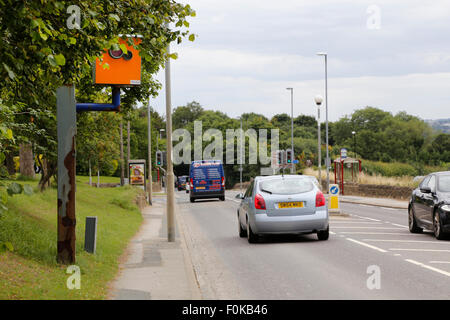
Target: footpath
(379, 202)
(153, 268)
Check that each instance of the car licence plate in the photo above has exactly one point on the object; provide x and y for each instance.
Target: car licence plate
(199, 188)
(284, 205)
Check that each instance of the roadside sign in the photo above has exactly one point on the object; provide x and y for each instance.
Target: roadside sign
(333, 191)
(343, 153)
(296, 161)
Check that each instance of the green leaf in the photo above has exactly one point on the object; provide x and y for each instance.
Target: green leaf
(123, 47)
(114, 16)
(11, 74)
(191, 37)
(28, 190)
(14, 188)
(174, 56)
(186, 24)
(9, 134)
(51, 59)
(60, 59)
(2, 157)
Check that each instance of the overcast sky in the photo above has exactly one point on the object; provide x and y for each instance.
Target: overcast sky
(248, 51)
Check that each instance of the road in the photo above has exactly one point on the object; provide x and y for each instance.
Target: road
(301, 267)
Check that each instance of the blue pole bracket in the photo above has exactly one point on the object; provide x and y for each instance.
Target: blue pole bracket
(114, 106)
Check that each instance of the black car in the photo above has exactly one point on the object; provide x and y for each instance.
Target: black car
(181, 182)
(429, 207)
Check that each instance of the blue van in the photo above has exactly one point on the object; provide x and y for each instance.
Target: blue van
(206, 180)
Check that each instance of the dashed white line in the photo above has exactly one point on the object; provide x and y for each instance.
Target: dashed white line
(367, 245)
(441, 262)
(419, 250)
(395, 240)
(445, 273)
(399, 225)
(380, 228)
(381, 233)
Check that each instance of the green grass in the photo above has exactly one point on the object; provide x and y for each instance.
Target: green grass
(31, 271)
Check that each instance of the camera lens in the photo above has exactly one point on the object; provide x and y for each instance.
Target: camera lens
(116, 54)
(127, 56)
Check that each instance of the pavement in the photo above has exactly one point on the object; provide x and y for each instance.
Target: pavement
(378, 202)
(153, 268)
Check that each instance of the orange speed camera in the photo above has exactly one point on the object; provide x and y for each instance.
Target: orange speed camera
(124, 68)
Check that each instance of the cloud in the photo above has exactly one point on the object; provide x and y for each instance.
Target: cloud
(248, 52)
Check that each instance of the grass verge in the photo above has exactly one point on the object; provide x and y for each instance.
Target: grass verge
(31, 271)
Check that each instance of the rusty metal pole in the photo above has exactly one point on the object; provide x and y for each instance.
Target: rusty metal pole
(66, 126)
(169, 174)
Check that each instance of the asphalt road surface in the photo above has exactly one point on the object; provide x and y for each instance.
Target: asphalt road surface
(370, 255)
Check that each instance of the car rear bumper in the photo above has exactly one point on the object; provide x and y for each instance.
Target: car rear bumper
(263, 224)
(207, 194)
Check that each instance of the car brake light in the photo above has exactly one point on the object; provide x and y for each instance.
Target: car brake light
(192, 183)
(320, 199)
(259, 202)
(223, 181)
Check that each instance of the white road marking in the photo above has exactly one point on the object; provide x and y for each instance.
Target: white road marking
(399, 225)
(381, 233)
(351, 222)
(353, 227)
(232, 200)
(445, 273)
(366, 245)
(366, 218)
(420, 250)
(443, 262)
(394, 240)
(331, 232)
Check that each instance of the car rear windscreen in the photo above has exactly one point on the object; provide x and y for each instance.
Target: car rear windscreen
(286, 186)
(444, 183)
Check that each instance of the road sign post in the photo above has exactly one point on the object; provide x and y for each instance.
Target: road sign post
(333, 203)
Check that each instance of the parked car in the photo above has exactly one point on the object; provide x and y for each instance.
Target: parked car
(206, 180)
(181, 182)
(289, 204)
(429, 207)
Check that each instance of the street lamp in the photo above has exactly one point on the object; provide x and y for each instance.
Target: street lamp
(354, 142)
(327, 161)
(292, 125)
(159, 136)
(318, 99)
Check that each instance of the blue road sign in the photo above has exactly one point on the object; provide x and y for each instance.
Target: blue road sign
(296, 161)
(334, 190)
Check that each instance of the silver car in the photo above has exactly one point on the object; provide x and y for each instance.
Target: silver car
(289, 204)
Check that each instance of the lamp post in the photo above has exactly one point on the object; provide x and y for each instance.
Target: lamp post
(159, 136)
(149, 151)
(354, 142)
(292, 125)
(318, 99)
(327, 161)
